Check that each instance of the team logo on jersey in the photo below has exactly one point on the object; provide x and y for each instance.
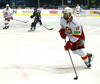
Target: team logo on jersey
(68, 30)
(6, 13)
(53, 12)
(62, 26)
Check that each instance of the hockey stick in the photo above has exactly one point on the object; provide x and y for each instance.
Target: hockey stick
(75, 78)
(21, 21)
(47, 28)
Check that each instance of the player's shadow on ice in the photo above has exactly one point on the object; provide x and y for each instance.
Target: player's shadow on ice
(59, 69)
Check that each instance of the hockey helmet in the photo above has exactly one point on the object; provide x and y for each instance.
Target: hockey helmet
(35, 8)
(7, 5)
(68, 11)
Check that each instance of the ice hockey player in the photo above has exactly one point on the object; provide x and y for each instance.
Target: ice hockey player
(78, 10)
(7, 15)
(37, 18)
(72, 28)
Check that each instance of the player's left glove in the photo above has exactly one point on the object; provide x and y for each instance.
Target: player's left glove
(4, 16)
(68, 45)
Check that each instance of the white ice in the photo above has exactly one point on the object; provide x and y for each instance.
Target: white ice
(39, 57)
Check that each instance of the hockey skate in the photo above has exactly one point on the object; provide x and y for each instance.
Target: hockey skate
(31, 30)
(90, 59)
(87, 64)
(6, 27)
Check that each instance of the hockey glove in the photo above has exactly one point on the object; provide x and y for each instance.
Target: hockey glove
(4, 16)
(31, 16)
(68, 45)
(11, 18)
(8, 19)
(62, 33)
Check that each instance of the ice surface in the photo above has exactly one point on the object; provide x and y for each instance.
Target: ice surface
(39, 57)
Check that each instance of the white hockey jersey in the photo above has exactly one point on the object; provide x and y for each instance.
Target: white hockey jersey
(73, 29)
(78, 8)
(7, 13)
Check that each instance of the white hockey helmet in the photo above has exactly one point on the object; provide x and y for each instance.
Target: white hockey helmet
(7, 4)
(67, 10)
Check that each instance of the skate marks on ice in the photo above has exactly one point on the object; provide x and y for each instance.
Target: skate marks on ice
(58, 69)
(54, 69)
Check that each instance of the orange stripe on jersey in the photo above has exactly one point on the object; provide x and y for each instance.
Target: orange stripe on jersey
(76, 35)
(85, 57)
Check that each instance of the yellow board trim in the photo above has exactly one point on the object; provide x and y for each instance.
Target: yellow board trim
(31, 14)
(93, 15)
(51, 15)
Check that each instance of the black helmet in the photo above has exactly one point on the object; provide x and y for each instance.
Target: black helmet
(35, 8)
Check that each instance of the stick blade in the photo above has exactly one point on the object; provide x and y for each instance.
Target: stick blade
(26, 21)
(76, 78)
(50, 29)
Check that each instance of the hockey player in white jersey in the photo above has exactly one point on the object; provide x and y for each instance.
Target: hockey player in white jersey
(72, 28)
(7, 16)
(78, 10)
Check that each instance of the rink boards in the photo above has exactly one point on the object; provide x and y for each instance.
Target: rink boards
(52, 12)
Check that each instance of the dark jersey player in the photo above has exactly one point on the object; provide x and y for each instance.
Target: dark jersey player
(37, 19)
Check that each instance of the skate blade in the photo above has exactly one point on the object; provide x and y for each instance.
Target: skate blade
(30, 31)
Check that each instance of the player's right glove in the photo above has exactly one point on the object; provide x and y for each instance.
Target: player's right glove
(62, 33)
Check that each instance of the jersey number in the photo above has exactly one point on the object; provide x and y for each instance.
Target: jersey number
(77, 28)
